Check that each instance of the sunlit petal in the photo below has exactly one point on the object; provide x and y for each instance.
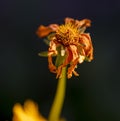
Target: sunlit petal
(28, 112)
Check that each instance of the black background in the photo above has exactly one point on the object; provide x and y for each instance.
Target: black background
(95, 94)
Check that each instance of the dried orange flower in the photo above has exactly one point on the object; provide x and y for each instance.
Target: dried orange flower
(75, 44)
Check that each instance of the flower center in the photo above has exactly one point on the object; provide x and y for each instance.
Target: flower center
(67, 34)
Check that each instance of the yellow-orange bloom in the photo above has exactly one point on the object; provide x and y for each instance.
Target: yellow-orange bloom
(75, 44)
(28, 112)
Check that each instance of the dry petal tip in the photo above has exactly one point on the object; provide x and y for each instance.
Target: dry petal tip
(54, 27)
(43, 31)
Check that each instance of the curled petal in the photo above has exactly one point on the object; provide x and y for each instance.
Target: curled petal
(72, 67)
(74, 60)
(83, 23)
(51, 66)
(73, 49)
(52, 48)
(85, 39)
(69, 20)
(52, 51)
(77, 23)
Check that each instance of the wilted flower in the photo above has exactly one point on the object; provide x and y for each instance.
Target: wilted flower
(75, 45)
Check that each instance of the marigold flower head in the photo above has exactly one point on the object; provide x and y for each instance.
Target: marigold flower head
(75, 45)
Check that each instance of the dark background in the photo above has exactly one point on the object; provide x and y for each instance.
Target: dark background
(95, 94)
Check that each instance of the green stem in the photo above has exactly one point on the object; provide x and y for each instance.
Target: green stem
(59, 98)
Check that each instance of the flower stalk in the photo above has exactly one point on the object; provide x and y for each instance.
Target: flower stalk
(59, 98)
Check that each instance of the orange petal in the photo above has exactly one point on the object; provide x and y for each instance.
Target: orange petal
(51, 66)
(69, 20)
(43, 31)
(78, 23)
(52, 50)
(74, 61)
(71, 69)
(74, 51)
(85, 39)
(84, 23)
(54, 27)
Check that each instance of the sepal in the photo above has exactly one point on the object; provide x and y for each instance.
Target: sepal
(45, 54)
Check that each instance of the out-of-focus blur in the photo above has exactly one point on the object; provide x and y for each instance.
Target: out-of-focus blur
(95, 94)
